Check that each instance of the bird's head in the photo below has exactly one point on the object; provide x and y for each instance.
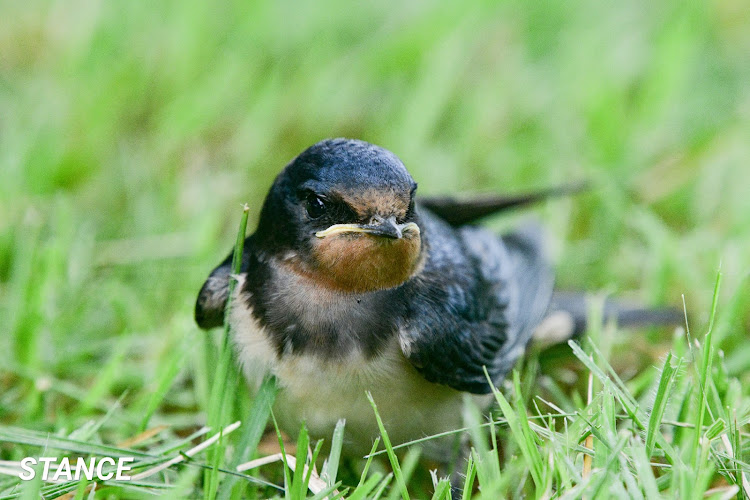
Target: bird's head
(342, 213)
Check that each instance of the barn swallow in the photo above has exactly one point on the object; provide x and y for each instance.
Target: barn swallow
(351, 285)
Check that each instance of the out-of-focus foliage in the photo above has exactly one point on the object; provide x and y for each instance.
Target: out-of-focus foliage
(130, 132)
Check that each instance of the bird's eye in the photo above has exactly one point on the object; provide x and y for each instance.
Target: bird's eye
(410, 210)
(316, 206)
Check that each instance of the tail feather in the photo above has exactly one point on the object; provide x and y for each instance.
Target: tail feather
(568, 316)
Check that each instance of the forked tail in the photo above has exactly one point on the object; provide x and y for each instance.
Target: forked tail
(568, 316)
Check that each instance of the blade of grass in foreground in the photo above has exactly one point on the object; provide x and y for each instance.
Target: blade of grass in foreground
(225, 379)
(365, 487)
(43, 440)
(382, 486)
(407, 469)
(369, 460)
(298, 488)
(660, 403)
(442, 490)
(168, 371)
(252, 432)
(708, 353)
(391, 454)
(520, 430)
(642, 464)
(331, 467)
(471, 472)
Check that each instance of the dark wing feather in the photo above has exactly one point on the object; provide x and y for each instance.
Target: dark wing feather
(476, 304)
(212, 299)
(534, 277)
(460, 211)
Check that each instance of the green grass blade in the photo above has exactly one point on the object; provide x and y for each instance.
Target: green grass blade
(520, 430)
(169, 371)
(391, 454)
(252, 431)
(369, 461)
(224, 386)
(326, 493)
(471, 474)
(442, 490)
(298, 488)
(642, 463)
(365, 487)
(18, 435)
(31, 490)
(106, 376)
(287, 474)
(331, 467)
(382, 486)
(312, 461)
(81, 489)
(705, 369)
(407, 469)
(486, 457)
(660, 403)
(603, 476)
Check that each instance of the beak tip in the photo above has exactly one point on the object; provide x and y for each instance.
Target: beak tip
(388, 228)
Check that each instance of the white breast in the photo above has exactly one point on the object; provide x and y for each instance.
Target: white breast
(322, 391)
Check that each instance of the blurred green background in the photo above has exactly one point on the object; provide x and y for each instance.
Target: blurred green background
(131, 132)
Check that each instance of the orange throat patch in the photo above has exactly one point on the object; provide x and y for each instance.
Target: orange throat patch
(361, 262)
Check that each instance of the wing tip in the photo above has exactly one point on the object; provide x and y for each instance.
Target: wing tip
(458, 211)
(207, 314)
(212, 299)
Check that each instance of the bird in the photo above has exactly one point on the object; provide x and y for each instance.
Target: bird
(351, 285)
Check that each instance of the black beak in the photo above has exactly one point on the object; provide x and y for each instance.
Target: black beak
(387, 228)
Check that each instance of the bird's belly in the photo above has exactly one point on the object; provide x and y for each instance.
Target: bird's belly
(322, 390)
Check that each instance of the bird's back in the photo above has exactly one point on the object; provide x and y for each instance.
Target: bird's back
(476, 303)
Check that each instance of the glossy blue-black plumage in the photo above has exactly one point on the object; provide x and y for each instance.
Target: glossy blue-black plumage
(344, 164)
(351, 164)
(474, 303)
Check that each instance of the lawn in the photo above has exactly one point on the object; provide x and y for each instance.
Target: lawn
(131, 134)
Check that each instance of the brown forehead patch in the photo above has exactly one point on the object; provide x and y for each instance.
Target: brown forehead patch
(377, 201)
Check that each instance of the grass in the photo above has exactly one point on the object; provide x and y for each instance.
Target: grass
(130, 135)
